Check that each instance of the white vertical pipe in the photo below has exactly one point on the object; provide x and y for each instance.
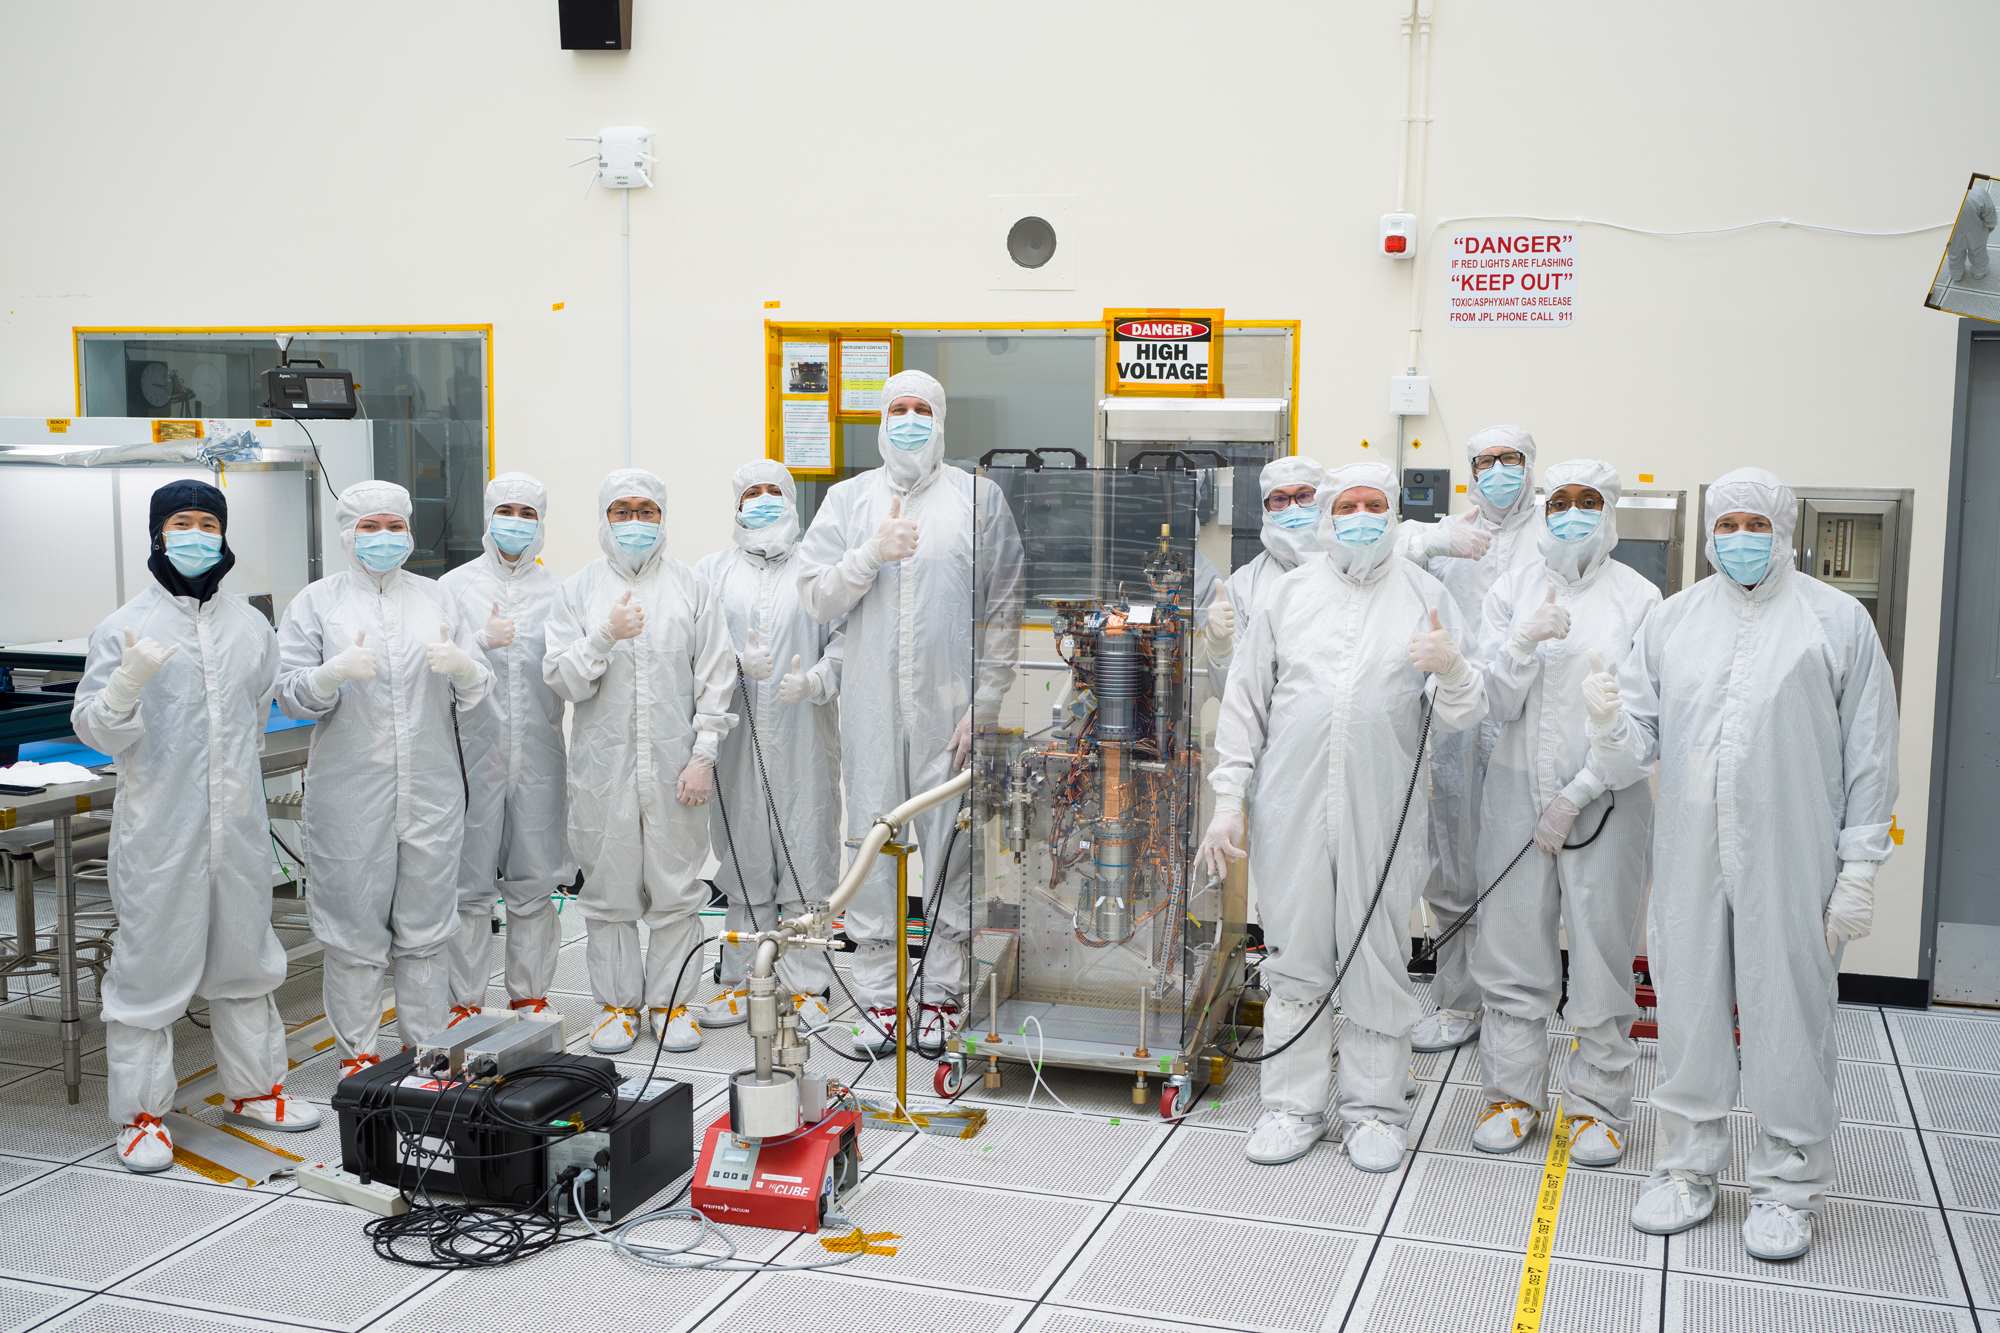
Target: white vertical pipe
(625, 270)
(1403, 159)
(1423, 150)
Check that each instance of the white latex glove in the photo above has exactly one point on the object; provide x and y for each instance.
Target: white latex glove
(1221, 623)
(1553, 830)
(895, 539)
(448, 659)
(1850, 912)
(626, 621)
(1470, 537)
(1432, 650)
(137, 664)
(1223, 842)
(1600, 694)
(353, 663)
(1546, 621)
(756, 662)
(961, 742)
(796, 686)
(499, 631)
(696, 782)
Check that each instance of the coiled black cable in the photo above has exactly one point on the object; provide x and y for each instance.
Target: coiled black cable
(1431, 947)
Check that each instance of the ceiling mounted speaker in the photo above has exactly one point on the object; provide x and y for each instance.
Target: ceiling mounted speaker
(1033, 241)
(596, 25)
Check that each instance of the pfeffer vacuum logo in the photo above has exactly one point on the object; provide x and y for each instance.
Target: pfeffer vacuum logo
(1168, 351)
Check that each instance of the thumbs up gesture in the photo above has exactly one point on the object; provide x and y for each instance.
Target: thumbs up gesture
(796, 687)
(1470, 536)
(1221, 623)
(896, 538)
(356, 662)
(1545, 621)
(1432, 650)
(447, 658)
(755, 662)
(138, 662)
(499, 631)
(626, 621)
(1600, 694)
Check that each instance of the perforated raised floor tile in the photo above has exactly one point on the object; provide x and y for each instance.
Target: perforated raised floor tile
(1418, 1288)
(1875, 1249)
(1241, 1275)
(1706, 1305)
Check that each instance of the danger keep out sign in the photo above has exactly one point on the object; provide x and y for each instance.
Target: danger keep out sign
(1526, 279)
(1165, 352)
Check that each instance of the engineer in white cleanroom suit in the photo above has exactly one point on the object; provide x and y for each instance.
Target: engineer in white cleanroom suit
(379, 658)
(1290, 534)
(177, 688)
(1544, 626)
(516, 835)
(893, 551)
(1323, 714)
(790, 669)
(1766, 700)
(1503, 497)
(1965, 255)
(638, 643)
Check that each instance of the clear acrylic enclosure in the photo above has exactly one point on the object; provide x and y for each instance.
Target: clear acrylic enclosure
(1100, 945)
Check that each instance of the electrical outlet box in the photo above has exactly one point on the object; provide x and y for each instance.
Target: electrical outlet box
(1399, 235)
(1410, 395)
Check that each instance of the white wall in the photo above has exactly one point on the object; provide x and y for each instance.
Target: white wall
(232, 162)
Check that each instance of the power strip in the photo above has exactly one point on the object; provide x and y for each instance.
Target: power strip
(346, 1187)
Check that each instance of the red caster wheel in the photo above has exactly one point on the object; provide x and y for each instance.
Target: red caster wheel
(949, 1080)
(1175, 1102)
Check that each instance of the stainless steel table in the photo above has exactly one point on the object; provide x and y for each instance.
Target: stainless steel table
(284, 752)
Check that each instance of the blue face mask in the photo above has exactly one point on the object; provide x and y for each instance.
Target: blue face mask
(635, 536)
(911, 431)
(382, 551)
(763, 511)
(1297, 516)
(512, 535)
(1573, 525)
(1501, 483)
(1745, 556)
(193, 552)
(1363, 529)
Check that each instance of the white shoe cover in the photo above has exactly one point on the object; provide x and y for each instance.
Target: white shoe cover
(814, 1014)
(144, 1146)
(1672, 1201)
(727, 1009)
(1505, 1126)
(871, 1041)
(1281, 1137)
(275, 1112)
(615, 1031)
(1443, 1030)
(1595, 1144)
(1775, 1232)
(678, 1030)
(1374, 1146)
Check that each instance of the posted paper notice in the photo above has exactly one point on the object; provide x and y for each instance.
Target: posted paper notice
(1524, 279)
(864, 368)
(808, 436)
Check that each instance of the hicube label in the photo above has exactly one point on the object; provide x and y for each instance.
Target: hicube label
(1524, 279)
(1162, 351)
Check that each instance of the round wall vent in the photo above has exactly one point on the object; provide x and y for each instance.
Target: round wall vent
(1031, 242)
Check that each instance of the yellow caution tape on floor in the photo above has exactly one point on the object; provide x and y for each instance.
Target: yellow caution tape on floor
(1534, 1296)
(854, 1241)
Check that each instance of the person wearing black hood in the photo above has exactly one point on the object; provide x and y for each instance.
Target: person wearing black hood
(177, 687)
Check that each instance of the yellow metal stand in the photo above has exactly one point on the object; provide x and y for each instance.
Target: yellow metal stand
(953, 1123)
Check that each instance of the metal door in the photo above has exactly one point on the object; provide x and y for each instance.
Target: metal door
(1965, 784)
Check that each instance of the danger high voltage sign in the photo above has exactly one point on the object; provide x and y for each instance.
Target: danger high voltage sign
(1165, 352)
